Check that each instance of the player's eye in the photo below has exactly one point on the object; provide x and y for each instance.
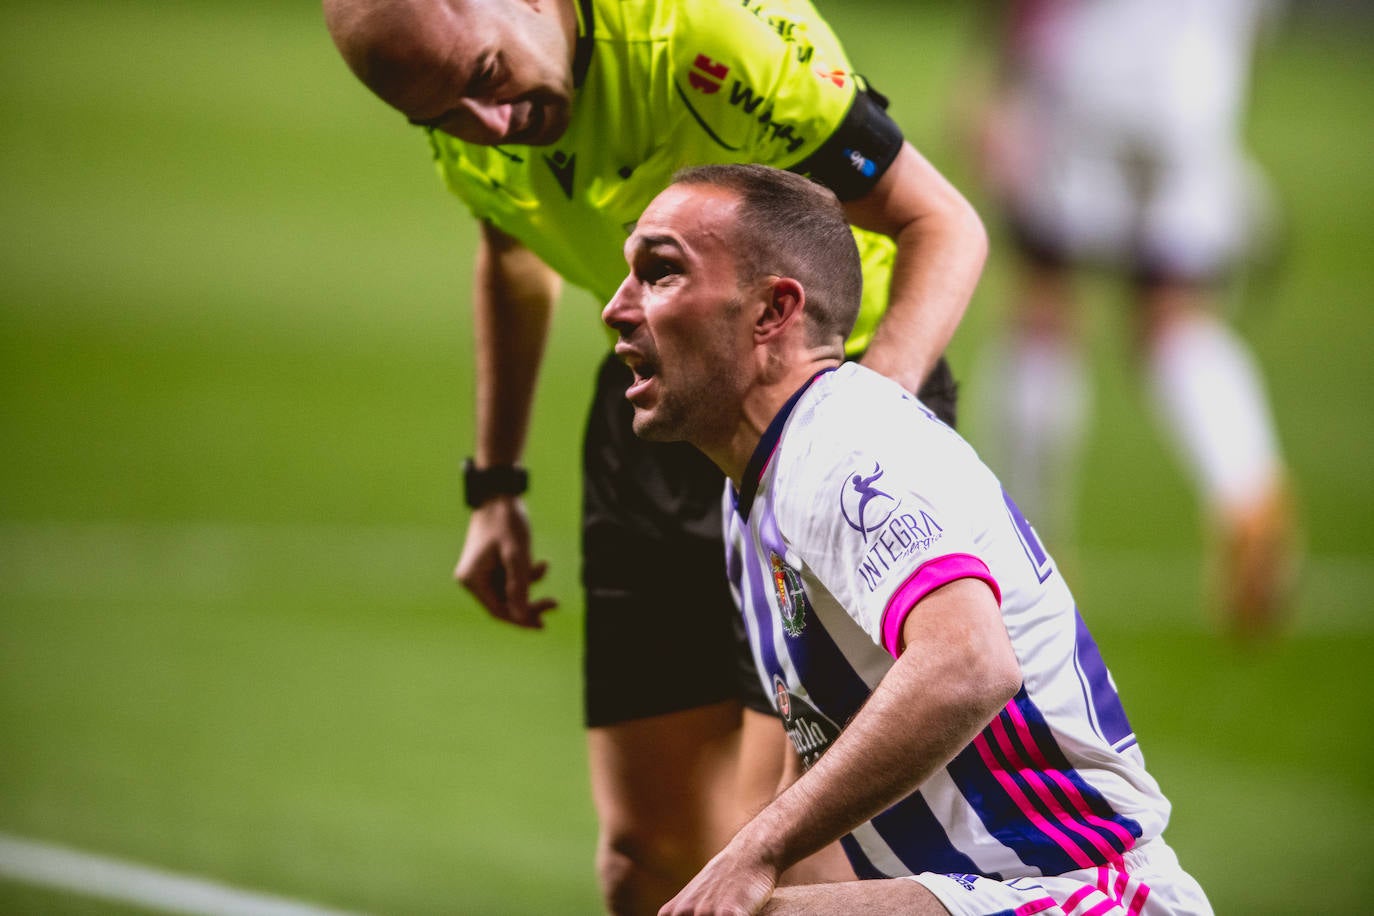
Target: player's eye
(657, 269)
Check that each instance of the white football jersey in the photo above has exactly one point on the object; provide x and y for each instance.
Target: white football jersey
(857, 503)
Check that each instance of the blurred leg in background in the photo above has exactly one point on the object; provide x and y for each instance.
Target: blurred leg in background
(1112, 144)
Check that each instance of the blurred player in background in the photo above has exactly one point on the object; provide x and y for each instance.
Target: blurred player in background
(1113, 140)
(556, 121)
(960, 733)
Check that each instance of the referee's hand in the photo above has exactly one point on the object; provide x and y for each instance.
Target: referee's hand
(495, 564)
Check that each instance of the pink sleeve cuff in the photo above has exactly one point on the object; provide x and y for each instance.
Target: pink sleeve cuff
(926, 579)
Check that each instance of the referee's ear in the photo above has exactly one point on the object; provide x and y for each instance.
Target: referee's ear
(784, 301)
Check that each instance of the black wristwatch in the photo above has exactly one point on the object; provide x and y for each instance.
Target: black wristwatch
(481, 484)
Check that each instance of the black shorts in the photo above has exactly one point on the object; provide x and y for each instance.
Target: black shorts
(663, 633)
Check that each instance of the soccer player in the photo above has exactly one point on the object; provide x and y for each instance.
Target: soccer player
(959, 728)
(556, 121)
(1113, 141)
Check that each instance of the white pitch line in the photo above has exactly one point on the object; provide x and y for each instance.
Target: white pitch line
(31, 862)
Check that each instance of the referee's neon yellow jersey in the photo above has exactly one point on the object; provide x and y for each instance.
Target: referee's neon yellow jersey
(664, 85)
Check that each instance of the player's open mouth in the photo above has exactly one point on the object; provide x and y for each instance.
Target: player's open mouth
(644, 374)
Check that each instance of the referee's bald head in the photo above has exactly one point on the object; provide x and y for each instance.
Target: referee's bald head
(489, 72)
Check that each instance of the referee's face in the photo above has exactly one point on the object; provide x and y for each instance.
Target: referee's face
(489, 72)
(684, 323)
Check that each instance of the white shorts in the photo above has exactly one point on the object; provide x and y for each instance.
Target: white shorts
(1181, 205)
(1151, 884)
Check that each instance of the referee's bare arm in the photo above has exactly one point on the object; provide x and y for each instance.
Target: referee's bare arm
(941, 247)
(513, 302)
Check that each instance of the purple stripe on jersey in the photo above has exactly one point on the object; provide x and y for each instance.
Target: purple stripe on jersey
(756, 603)
(926, 579)
(1101, 696)
(858, 861)
(1030, 543)
(918, 839)
(834, 686)
(1027, 795)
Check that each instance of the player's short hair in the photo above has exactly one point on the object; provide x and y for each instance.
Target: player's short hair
(791, 226)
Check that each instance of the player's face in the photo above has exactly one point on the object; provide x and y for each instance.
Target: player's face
(491, 72)
(683, 319)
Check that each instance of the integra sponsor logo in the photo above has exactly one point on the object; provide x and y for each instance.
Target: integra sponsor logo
(865, 507)
(809, 730)
(903, 535)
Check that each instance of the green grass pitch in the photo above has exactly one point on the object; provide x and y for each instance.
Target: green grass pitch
(236, 393)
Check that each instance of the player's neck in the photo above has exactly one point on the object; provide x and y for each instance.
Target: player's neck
(760, 407)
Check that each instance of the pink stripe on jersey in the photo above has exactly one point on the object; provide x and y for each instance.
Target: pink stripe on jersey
(1035, 906)
(1142, 891)
(1122, 879)
(1117, 884)
(1028, 808)
(1036, 776)
(1077, 897)
(927, 578)
(1105, 906)
(1070, 790)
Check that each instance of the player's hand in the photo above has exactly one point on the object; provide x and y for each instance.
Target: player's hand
(729, 885)
(495, 565)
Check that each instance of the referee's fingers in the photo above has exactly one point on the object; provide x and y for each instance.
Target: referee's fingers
(517, 567)
(487, 586)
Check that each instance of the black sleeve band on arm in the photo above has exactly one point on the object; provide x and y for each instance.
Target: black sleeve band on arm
(860, 150)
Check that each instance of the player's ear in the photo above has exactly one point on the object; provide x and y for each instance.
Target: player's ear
(784, 298)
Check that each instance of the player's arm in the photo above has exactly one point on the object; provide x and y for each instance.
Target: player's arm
(956, 672)
(513, 303)
(941, 246)
(828, 865)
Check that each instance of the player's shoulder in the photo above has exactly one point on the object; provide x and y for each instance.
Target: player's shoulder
(844, 414)
(857, 400)
(852, 419)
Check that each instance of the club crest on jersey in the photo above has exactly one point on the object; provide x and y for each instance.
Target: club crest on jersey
(865, 507)
(791, 596)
